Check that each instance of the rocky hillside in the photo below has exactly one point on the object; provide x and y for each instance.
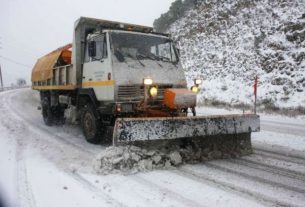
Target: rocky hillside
(229, 42)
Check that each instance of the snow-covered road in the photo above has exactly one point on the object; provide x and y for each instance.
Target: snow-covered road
(52, 166)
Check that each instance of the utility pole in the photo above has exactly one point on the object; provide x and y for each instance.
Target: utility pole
(255, 92)
(1, 80)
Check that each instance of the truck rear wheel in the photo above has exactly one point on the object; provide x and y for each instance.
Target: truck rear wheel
(52, 115)
(47, 115)
(91, 125)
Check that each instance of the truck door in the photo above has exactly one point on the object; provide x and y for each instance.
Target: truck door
(97, 70)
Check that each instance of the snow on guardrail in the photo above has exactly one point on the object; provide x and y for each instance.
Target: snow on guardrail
(12, 87)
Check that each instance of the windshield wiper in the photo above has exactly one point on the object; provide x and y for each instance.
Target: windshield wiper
(164, 59)
(152, 57)
(137, 56)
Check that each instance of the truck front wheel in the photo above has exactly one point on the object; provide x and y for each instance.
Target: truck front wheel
(91, 125)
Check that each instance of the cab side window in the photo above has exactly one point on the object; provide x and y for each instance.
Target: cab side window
(96, 49)
(101, 47)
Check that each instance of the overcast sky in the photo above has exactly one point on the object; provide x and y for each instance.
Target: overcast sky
(31, 28)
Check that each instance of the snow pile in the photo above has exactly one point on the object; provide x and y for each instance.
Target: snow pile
(229, 42)
(133, 159)
(167, 154)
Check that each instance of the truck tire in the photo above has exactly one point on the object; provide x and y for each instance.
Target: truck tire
(47, 114)
(52, 115)
(91, 125)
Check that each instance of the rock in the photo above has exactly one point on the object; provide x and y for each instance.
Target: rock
(135, 157)
(156, 159)
(117, 160)
(113, 152)
(145, 165)
(126, 155)
(148, 164)
(226, 156)
(167, 164)
(214, 154)
(141, 165)
(175, 158)
(133, 148)
(150, 153)
(203, 159)
(279, 81)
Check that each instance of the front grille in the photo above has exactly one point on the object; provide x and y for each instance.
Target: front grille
(161, 90)
(136, 92)
(129, 92)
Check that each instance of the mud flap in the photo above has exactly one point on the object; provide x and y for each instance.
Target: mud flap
(142, 129)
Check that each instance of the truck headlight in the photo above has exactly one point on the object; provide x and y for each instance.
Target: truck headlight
(198, 81)
(153, 91)
(147, 81)
(195, 89)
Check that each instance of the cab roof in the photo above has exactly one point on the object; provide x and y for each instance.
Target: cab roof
(113, 25)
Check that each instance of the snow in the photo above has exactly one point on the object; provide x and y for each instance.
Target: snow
(294, 142)
(52, 187)
(230, 42)
(52, 166)
(163, 154)
(8, 167)
(237, 181)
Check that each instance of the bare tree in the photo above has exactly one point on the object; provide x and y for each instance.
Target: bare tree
(21, 82)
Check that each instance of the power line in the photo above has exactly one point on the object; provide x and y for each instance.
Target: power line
(15, 62)
(21, 45)
(27, 51)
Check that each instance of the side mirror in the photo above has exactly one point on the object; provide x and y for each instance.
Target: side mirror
(92, 49)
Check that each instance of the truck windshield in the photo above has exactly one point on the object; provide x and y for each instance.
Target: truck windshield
(141, 46)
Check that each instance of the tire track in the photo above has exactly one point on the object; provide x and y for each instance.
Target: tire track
(257, 196)
(88, 185)
(269, 168)
(23, 187)
(25, 193)
(281, 128)
(44, 135)
(170, 193)
(279, 156)
(274, 160)
(135, 193)
(47, 132)
(260, 179)
(24, 190)
(296, 125)
(26, 133)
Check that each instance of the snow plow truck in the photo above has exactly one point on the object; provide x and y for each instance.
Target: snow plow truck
(127, 80)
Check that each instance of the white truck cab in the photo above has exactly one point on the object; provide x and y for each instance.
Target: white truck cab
(116, 61)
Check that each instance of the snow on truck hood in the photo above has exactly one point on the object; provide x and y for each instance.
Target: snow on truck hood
(131, 71)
